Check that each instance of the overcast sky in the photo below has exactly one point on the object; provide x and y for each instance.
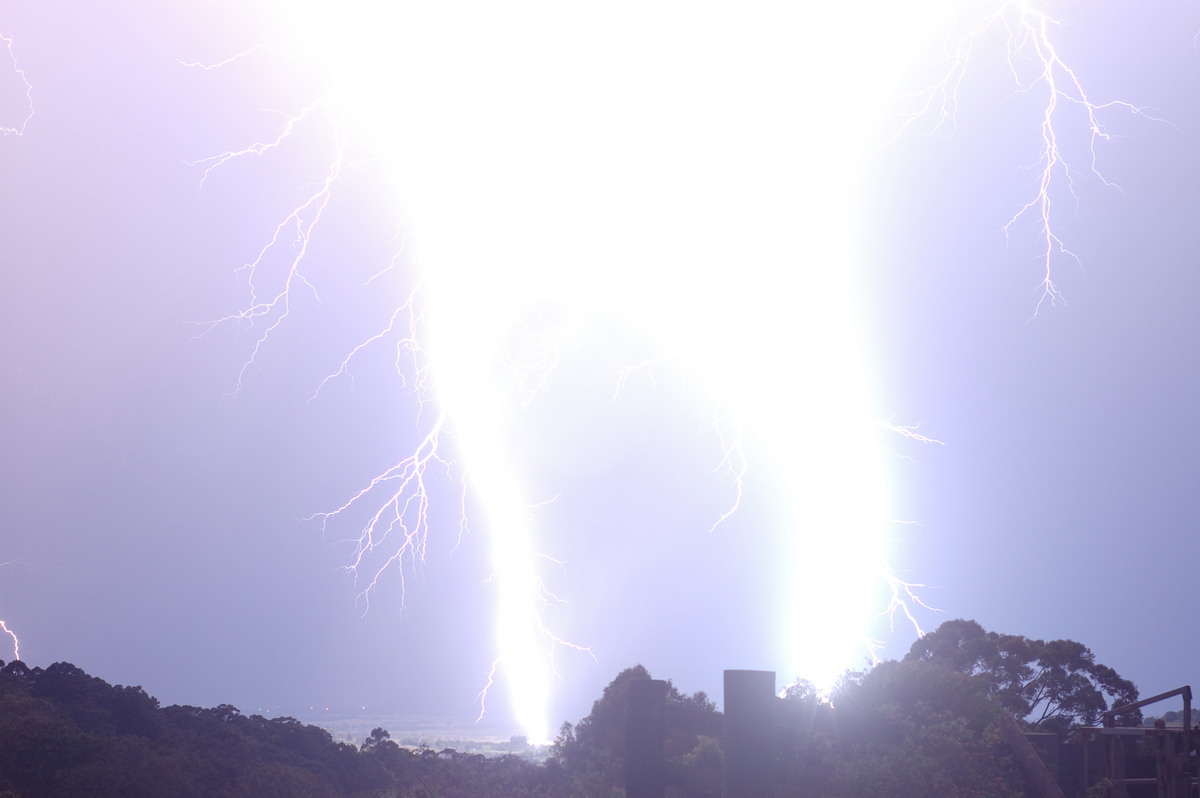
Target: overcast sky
(152, 513)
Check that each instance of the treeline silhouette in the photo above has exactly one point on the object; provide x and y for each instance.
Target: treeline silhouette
(924, 725)
(65, 733)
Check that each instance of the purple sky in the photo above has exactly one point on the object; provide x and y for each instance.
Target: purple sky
(152, 525)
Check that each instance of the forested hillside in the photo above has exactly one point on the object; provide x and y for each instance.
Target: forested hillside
(924, 725)
(65, 733)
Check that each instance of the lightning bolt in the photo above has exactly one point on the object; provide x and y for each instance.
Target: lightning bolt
(631, 172)
(395, 533)
(17, 129)
(470, 329)
(1036, 68)
(16, 643)
(270, 296)
(5, 628)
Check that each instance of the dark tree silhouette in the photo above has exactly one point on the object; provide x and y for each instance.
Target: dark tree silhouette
(1051, 685)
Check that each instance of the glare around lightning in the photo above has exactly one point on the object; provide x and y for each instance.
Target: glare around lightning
(692, 177)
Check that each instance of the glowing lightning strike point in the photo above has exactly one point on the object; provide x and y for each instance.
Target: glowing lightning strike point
(1030, 46)
(19, 129)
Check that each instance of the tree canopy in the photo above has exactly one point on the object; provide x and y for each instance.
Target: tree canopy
(911, 728)
(1052, 685)
(591, 752)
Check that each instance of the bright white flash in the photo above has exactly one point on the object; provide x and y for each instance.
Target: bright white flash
(687, 173)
